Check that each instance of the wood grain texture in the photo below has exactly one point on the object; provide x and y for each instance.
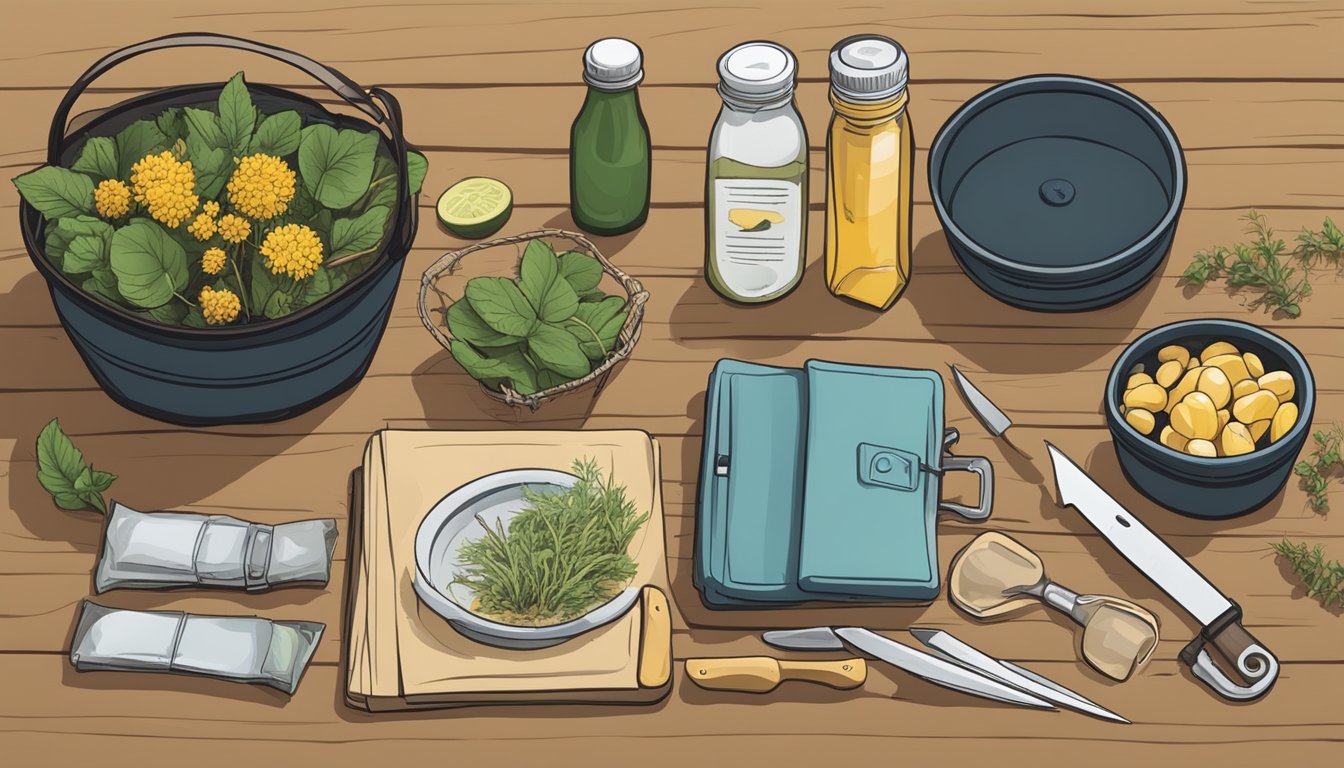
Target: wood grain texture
(1253, 91)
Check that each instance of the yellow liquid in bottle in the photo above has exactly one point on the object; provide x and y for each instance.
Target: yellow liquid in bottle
(870, 152)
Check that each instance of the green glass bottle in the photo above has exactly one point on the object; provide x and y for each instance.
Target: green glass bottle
(609, 153)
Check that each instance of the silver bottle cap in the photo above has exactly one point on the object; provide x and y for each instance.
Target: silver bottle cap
(868, 68)
(613, 64)
(757, 73)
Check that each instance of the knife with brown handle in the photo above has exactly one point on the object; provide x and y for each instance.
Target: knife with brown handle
(759, 674)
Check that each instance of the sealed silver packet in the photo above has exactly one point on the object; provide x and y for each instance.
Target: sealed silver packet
(180, 549)
(245, 649)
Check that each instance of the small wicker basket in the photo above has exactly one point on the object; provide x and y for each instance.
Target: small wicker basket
(449, 263)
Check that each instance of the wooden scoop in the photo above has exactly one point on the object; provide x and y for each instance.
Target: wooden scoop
(759, 674)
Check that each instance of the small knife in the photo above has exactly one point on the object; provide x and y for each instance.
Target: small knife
(995, 420)
(760, 674)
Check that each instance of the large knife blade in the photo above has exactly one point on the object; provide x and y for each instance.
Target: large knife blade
(1219, 617)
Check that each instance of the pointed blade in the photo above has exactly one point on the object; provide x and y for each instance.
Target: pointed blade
(814, 639)
(1132, 539)
(995, 420)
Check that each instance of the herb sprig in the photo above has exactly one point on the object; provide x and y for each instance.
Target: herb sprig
(1323, 579)
(1325, 463)
(61, 469)
(563, 554)
(1261, 266)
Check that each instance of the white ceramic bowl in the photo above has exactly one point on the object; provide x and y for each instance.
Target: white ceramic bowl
(495, 499)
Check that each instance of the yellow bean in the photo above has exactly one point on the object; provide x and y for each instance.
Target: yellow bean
(1218, 348)
(1195, 417)
(1174, 352)
(1204, 448)
(1280, 383)
(1283, 422)
(1149, 397)
(1253, 364)
(1193, 364)
(1257, 406)
(1169, 372)
(1137, 379)
(1141, 420)
(1235, 440)
(1172, 439)
(1224, 416)
(1258, 429)
(1232, 365)
(1183, 388)
(1243, 388)
(1213, 382)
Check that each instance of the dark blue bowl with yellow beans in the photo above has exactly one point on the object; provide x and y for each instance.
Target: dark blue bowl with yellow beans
(1208, 416)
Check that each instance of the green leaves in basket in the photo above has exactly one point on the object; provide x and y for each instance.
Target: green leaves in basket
(136, 140)
(336, 165)
(98, 158)
(237, 116)
(57, 192)
(207, 148)
(416, 168)
(349, 236)
(535, 332)
(278, 134)
(149, 264)
(61, 469)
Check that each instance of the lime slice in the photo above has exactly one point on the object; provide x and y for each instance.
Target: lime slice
(475, 207)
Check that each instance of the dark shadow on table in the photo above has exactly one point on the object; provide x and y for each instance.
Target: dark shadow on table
(608, 245)
(450, 399)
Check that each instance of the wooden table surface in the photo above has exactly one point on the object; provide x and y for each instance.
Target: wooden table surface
(1252, 88)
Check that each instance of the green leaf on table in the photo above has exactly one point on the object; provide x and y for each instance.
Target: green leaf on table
(336, 166)
(62, 471)
(466, 325)
(135, 141)
(237, 116)
(509, 365)
(98, 158)
(56, 191)
(278, 134)
(597, 325)
(417, 165)
(150, 265)
(172, 123)
(581, 271)
(501, 305)
(557, 349)
(358, 234)
(539, 279)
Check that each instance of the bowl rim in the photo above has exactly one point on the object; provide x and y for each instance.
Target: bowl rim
(444, 604)
(1073, 84)
(1282, 346)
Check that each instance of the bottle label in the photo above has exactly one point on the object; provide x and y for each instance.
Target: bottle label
(757, 234)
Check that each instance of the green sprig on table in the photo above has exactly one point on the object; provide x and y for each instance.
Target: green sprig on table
(1324, 464)
(61, 469)
(562, 555)
(1323, 579)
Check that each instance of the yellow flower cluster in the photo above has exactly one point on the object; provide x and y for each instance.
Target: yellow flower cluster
(235, 229)
(112, 198)
(293, 250)
(262, 186)
(203, 227)
(211, 208)
(213, 260)
(166, 186)
(219, 307)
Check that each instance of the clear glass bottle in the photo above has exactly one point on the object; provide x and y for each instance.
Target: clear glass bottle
(756, 180)
(609, 150)
(870, 153)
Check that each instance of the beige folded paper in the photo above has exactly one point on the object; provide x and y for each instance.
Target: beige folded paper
(402, 654)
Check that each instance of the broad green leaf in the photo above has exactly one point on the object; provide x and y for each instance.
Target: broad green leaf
(466, 325)
(279, 304)
(263, 284)
(194, 319)
(557, 349)
(321, 224)
(313, 289)
(57, 192)
(85, 254)
(597, 325)
(278, 134)
(103, 284)
(336, 166)
(303, 207)
(211, 164)
(85, 225)
(150, 265)
(135, 141)
(501, 305)
(510, 366)
(581, 271)
(172, 313)
(547, 379)
(237, 116)
(203, 128)
(62, 471)
(539, 279)
(358, 234)
(417, 165)
(172, 123)
(98, 158)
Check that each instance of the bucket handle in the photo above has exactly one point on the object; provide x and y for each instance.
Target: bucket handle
(389, 115)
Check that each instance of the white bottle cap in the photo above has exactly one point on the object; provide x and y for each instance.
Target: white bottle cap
(757, 73)
(613, 64)
(868, 68)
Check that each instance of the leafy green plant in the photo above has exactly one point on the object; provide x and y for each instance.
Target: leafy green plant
(1324, 465)
(548, 326)
(61, 469)
(1264, 267)
(1323, 579)
(172, 217)
(561, 555)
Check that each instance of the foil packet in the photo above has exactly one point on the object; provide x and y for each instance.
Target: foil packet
(245, 649)
(181, 549)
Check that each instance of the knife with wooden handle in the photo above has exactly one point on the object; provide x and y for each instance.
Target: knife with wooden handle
(759, 674)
